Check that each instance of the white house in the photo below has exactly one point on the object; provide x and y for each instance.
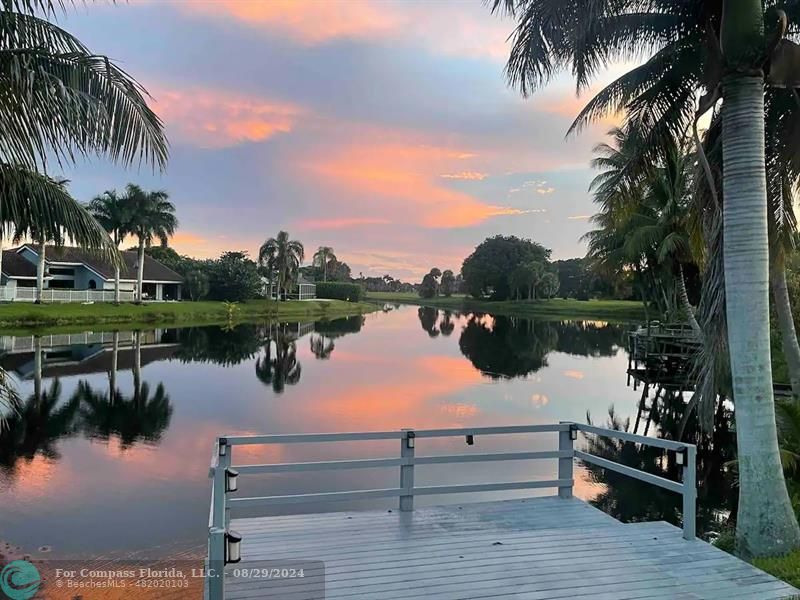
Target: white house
(303, 289)
(70, 270)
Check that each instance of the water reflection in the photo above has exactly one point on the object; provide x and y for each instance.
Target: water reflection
(154, 400)
(630, 500)
(280, 367)
(36, 427)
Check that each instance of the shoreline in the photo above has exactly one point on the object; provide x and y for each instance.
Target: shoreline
(556, 308)
(26, 319)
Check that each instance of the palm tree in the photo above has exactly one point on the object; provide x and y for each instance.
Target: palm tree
(658, 98)
(62, 101)
(663, 224)
(322, 257)
(112, 212)
(151, 216)
(282, 257)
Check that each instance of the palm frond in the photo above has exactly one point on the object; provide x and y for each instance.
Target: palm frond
(73, 102)
(34, 202)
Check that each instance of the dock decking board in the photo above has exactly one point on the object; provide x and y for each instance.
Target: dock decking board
(531, 549)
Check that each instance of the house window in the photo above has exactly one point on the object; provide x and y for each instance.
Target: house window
(92, 284)
(69, 271)
(63, 284)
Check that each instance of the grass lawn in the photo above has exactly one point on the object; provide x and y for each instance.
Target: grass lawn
(786, 567)
(16, 317)
(616, 310)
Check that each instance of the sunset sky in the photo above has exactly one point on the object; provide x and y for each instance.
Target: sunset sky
(384, 129)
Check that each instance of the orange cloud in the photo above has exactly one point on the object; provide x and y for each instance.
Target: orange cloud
(471, 31)
(307, 22)
(579, 217)
(404, 177)
(217, 119)
(465, 175)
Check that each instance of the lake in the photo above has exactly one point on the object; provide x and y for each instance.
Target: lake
(89, 473)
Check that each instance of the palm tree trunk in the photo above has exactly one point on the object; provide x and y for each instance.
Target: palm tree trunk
(783, 309)
(683, 297)
(40, 273)
(766, 524)
(116, 270)
(1, 257)
(140, 271)
(324, 268)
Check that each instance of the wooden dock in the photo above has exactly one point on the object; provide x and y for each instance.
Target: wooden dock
(530, 549)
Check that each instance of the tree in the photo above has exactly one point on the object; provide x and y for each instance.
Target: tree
(322, 257)
(112, 212)
(448, 283)
(487, 269)
(430, 284)
(197, 283)
(548, 285)
(283, 257)
(233, 277)
(691, 48)
(151, 216)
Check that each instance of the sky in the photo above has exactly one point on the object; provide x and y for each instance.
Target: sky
(385, 129)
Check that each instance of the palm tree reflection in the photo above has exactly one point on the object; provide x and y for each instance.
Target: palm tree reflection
(39, 422)
(630, 500)
(280, 368)
(322, 347)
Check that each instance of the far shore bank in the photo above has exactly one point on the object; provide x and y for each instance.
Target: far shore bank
(22, 319)
(614, 310)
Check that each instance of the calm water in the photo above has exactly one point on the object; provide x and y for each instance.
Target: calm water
(87, 473)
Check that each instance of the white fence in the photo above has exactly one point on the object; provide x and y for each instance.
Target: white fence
(26, 294)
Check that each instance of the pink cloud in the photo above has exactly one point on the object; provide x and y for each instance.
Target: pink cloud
(340, 222)
(213, 118)
(471, 29)
(472, 175)
(400, 172)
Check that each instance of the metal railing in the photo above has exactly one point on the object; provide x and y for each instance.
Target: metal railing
(224, 474)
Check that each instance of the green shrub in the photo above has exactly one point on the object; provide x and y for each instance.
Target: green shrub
(334, 290)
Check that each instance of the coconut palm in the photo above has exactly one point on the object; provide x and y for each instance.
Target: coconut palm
(62, 101)
(151, 216)
(283, 257)
(663, 225)
(112, 212)
(693, 44)
(322, 257)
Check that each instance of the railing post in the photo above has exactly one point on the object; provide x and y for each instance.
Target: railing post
(565, 464)
(216, 533)
(690, 493)
(407, 443)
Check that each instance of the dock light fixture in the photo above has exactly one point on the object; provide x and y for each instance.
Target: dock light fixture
(231, 480)
(410, 437)
(233, 547)
(573, 432)
(223, 446)
(680, 457)
(470, 439)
